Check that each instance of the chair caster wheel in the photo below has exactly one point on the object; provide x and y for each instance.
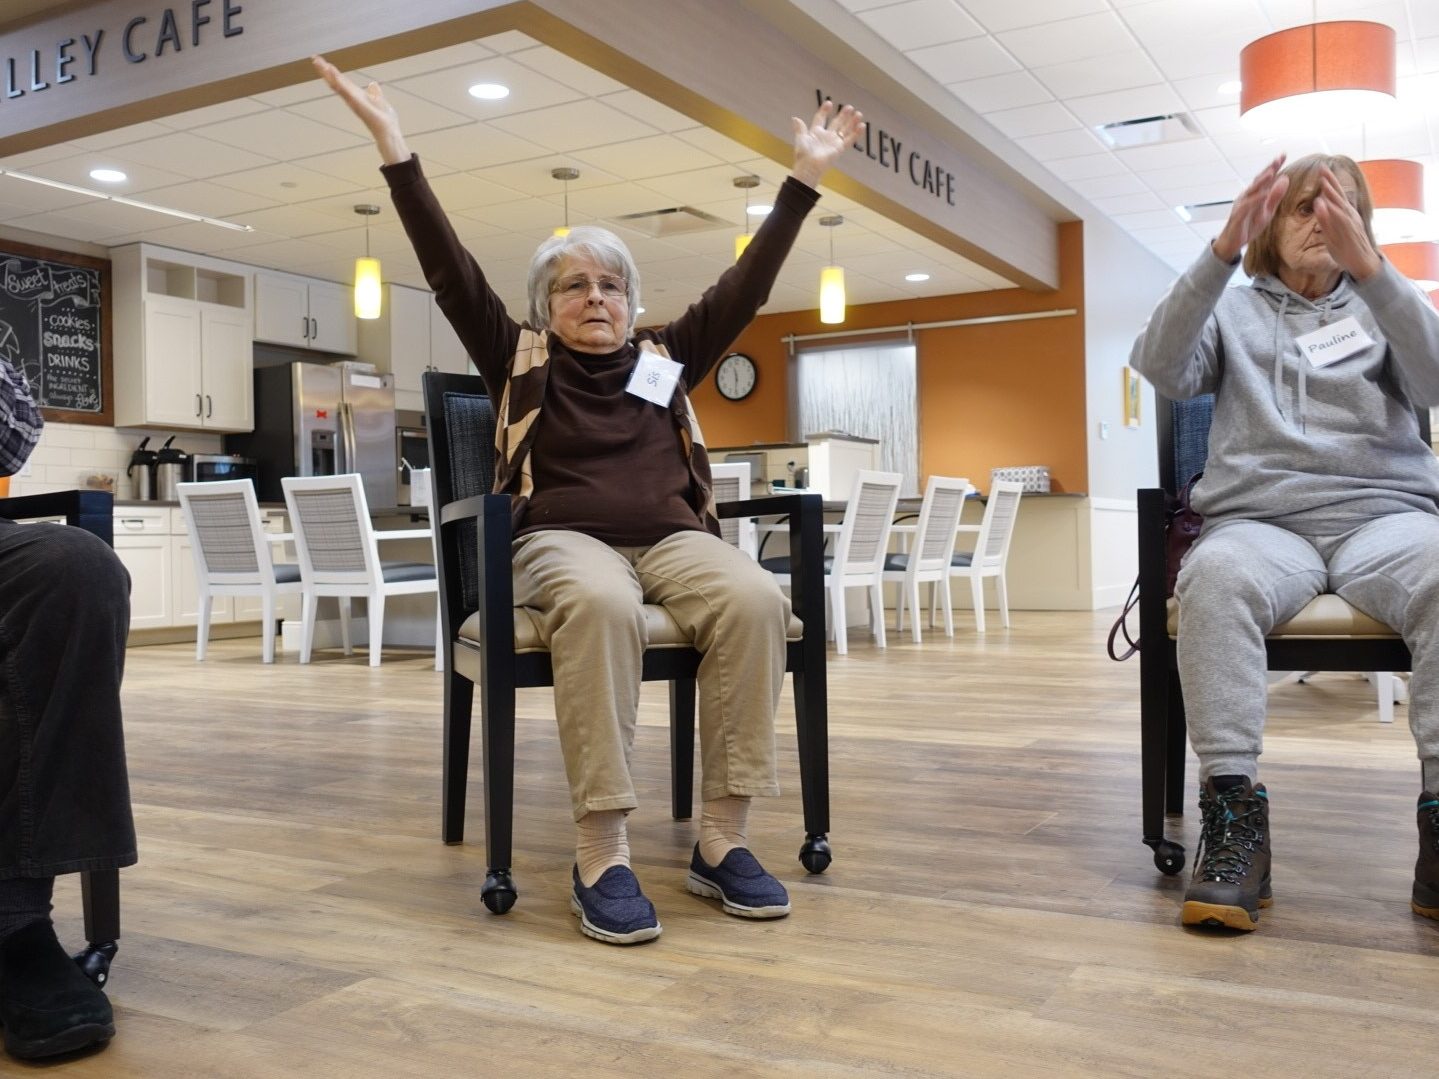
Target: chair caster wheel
(94, 962)
(815, 855)
(1168, 857)
(498, 892)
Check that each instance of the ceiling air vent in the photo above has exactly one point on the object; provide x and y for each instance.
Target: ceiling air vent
(1205, 211)
(672, 221)
(1149, 130)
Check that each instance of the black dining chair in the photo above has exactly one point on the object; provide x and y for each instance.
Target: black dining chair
(494, 647)
(99, 890)
(1328, 635)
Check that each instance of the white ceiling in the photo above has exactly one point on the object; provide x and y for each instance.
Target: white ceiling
(1043, 73)
(293, 163)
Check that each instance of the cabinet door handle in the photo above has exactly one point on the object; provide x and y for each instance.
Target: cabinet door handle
(305, 327)
(198, 409)
(315, 332)
(133, 522)
(209, 407)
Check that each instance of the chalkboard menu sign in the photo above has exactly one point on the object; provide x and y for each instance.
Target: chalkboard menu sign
(55, 326)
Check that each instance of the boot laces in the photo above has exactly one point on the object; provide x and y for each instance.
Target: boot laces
(1431, 809)
(1233, 829)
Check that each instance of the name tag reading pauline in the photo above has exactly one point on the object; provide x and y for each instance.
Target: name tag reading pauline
(654, 378)
(1331, 343)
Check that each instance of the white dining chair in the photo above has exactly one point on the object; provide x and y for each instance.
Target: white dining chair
(929, 558)
(990, 554)
(340, 557)
(859, 550)
(732, 484)
(232, 555)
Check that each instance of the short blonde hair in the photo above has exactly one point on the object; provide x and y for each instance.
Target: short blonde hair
(1262, 254)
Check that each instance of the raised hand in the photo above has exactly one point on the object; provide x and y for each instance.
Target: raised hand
(818, 144)
(1252, 210)
(369, 104)
(1344, 234)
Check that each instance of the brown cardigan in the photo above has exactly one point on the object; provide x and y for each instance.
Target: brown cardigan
(514, 359)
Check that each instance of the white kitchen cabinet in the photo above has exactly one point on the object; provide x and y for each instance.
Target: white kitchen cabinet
(142, 543)
(304, 312)
(183, 343)
(410, 337)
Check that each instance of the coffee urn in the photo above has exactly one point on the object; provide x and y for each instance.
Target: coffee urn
(143, 460)
(172, 466)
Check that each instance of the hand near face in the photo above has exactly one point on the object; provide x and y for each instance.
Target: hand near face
(1344, 234)
(818, 145)
(1252, 210)
(369, 104)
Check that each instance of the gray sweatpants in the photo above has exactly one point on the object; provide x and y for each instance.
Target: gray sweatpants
(1242, 578)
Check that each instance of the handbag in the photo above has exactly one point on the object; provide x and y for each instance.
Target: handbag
(1182, 524)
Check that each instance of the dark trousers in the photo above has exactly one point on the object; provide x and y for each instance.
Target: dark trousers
(64, 615)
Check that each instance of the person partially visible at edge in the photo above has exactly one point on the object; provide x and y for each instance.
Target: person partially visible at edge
(613, 508)
(64, 791)
(1318, 480)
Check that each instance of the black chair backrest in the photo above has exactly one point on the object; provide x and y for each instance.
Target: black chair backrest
(461, 421)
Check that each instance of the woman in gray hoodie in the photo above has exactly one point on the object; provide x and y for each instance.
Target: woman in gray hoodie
(1317, 481)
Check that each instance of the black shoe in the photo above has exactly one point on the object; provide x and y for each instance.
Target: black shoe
(47, 1005)
(1426, 870)
(1231, 867)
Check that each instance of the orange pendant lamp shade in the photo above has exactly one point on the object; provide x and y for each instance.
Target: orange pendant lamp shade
(1417, 261)
(1322, 75)
(1396, 187)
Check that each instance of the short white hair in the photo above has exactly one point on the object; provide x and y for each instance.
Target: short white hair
(603, 246)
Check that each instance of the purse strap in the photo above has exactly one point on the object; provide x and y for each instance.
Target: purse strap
(1121, 626)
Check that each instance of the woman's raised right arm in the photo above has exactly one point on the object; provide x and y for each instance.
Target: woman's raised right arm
(471, 306)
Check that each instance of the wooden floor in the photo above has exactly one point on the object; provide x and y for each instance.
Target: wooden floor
(990, 910)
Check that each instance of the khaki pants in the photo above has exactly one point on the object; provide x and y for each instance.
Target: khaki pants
(589, 596)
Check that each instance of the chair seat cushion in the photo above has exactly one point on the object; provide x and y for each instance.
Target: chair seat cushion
(964, 558)
(661, 629)
(407, 571)
(897, 563)
(287, 573)
(1324, 616)
(780, 563)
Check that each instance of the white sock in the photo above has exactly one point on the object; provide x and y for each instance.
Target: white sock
(603, 841)
(722, 827)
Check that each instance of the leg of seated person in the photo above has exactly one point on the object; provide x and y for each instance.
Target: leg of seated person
(64, 792)
(1239, 581)
(1389, 569)
(738, 618)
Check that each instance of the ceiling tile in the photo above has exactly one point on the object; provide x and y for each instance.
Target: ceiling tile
(576, 125)
(507, 41)
(633, 103)
(1156, 100)
(481, 147)
(30, 158)
(529, 89)
(534, 177)
(76, 170)
(976, 58)
(1098, 187)
(1167, 155)
(1012, 90)
(716, 145)
(190, 155)
(19, 198)
(428, 63)
(462, 191)
(212, 114)
(917, 23)
(287, 183)
(556, 65)
(1128, 204)
(1080, 168)
(1147, 219)
(208, 199)
(652, 156)
(359, 165)
(997, 15)
(1099, 75)
(1033, 120)
(1066, 40)
(417, 115)
(105, 140)
(1212, 172)
(284, 134)
(1061, 144)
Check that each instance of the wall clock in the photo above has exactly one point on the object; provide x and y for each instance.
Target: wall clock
(735, 377)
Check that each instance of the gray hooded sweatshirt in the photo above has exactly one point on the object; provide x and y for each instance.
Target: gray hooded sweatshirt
(1314, 449)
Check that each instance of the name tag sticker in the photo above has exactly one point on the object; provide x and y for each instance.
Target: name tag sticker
(1331, 343)
(654, 378)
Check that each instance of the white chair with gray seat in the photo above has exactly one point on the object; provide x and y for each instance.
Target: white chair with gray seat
(340, 557)
(232, 555)
(990, 554)
(929, 559)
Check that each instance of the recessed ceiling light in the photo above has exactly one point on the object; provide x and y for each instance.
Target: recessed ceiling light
(1233, 86)
(639, 310)
(916, 277)
(108, 176)
(489, 91)
(759, 209)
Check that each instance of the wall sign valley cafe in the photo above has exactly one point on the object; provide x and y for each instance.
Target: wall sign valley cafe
(883, 148)
(180, 27)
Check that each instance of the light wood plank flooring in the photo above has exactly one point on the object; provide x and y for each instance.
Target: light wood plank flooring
(990, 911)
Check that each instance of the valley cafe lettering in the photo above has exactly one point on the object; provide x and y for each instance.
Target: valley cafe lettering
(140, 39)
(883, 148)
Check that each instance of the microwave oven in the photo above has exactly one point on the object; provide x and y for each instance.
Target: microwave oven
(207, 467)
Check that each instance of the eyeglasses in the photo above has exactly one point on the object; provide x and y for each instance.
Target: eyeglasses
(578, 288)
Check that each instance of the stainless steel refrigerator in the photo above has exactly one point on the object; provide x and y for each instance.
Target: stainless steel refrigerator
(316, 419)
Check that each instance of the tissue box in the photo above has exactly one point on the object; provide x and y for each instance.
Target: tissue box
(1035, 478)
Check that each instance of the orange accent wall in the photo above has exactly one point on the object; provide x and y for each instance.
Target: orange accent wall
(1008, 393)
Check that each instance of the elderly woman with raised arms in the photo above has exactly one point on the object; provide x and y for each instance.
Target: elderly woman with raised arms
(611, 486)
(1317, 481)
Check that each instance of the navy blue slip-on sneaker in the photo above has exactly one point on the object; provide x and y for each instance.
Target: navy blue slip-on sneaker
(614, 909)
(740, 883)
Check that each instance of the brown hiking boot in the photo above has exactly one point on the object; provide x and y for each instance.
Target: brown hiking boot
(1231, 867)
(1426, 869)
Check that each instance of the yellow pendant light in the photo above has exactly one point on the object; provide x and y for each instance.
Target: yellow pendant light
(831, 279)
(565, 174)
(367, 272)
(747, 184)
